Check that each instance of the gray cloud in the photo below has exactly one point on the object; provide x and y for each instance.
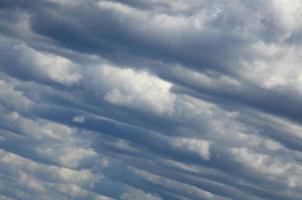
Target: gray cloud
(150, 100)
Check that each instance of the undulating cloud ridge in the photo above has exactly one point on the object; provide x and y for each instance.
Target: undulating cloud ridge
(152, 100)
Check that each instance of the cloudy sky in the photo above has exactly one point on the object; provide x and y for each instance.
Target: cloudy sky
(150, 100)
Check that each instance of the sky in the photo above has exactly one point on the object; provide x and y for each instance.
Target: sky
(150, 100)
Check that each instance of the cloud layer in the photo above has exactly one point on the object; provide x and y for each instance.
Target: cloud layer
(154, 99)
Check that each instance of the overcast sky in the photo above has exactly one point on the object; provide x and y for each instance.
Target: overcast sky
(150, 100)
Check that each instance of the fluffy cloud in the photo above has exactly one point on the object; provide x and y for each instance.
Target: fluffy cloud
(46, 66)
(126, 87)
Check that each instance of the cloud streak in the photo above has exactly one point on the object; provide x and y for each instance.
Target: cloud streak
(150, 100)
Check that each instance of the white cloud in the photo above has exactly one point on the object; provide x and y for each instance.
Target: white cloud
(48, 66)
(197, 146)
(31, 182)
(168, 182)
(57, 142)
(157, 23)
(69, 156)
(14, 163)
(11, 97)
(288, 14)
(135, 89)
(47, 181)
(277, 67)
(266, 164)
(134, 194)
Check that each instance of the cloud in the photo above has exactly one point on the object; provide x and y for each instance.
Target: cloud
(150, 100)
(11, 97)
(126, 87)
(79, 119)
(199, 147)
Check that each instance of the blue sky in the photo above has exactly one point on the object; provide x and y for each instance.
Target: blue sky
(152, 100)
